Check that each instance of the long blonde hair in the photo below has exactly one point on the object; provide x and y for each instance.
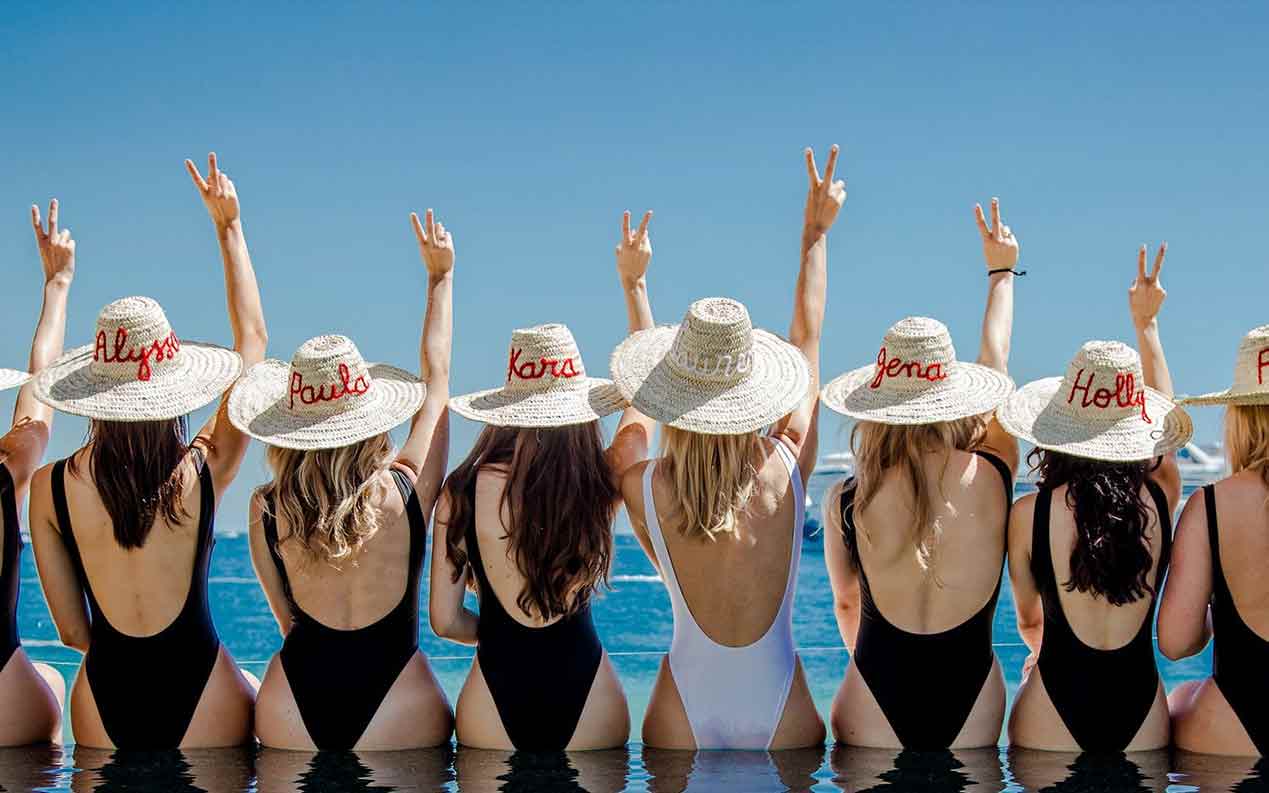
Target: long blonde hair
(880, 447)
(1247, 439)
(713, 477)
(327, 495)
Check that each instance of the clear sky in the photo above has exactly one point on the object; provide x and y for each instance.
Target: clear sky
(530, 127)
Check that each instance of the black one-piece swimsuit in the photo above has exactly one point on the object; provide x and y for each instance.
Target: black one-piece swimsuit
(9, 573)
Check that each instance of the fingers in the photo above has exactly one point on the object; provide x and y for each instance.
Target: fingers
(212, 171)
(1141, 264)
(36, 224)
(811, 170)
(625, 227)
(981, 220)
(643, 226)
(430, 225)
(52, 218)
(995, 218)
(832, 164)
(417, 225)
(440, 238)
(1158, 261)
(195, 175)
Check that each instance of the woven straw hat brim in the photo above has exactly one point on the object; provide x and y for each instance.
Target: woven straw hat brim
(580, 403)
(777, 382)
(969, 390)
(1227, 397)
(205, 373)
(1030, 414)
(258, 407)
(12, 378)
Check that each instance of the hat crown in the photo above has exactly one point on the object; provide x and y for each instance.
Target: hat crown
(916, 355)
(714, 343)
(1251, 369)
(328, 376)
(544, 358)
(1104, 383)
(134, 341)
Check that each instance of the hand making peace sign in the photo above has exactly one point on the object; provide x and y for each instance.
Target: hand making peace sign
(634, 251)
(824, 198)
(1000, 247)
(57, 247)
(217, 191)
(1146, 295)
(435, 243)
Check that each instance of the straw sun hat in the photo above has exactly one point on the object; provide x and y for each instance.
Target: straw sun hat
(325, 398)
(12, 378)
(137, 369)
(1251, 374)
(714, 374)
(917, 380)
(546, 385)
(1100, 409)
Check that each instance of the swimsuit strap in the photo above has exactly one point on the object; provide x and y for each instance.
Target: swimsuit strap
(417, 520)
(1164, 511)
(206, 504)
(1005, 474)
(62, 511)
(655, 534)
(9, 513)
(1041, 553)
(1213, 539)
(269, 522)
(799, 519)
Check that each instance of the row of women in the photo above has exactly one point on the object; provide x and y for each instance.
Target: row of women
(915, 544)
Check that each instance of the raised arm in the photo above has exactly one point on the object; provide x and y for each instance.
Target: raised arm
(23, 446)
(426, 450)
(824, 199)
(224, 444)
(1145, 300)
(1000, 252)
(634, 432)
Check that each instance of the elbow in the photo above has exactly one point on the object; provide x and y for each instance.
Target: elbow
(441, 626)
(1175, 648)
(74, 638)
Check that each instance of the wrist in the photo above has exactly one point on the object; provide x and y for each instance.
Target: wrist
(1150, 325)
(59, 283)
(812, 235)
(436, 279)
(232, 228)
(633, 282)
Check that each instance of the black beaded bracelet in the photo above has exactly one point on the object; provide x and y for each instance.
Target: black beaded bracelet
(1006, 270)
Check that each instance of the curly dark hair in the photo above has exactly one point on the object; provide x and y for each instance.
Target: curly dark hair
(1112, 556)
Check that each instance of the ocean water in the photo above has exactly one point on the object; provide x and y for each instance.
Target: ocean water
(635, 623)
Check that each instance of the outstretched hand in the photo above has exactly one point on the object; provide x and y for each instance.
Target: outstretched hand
(824, 198)
(1000, 247)
(634, 251)
(1146, 295)
(57, 247)
(436, 244)
(217, 191)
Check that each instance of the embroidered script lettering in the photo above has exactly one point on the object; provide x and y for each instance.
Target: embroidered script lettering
(724, 364)
(1262, 363)
(1126, 394)
(345, 387)
(536, 370)
(120, 352)
(893, 367)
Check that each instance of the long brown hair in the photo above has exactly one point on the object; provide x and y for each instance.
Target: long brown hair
(713, 475)
(136, 468)
(327, 495)
(561, 502)
(1247, 439)
(1111, 556)
(880, 447)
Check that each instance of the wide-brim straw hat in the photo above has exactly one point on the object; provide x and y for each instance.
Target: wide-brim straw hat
(325, 398)
(137, 369)
(12, 378)
(1251, 375)
(546, 386)
(714, 373)
(917, 380)
(1100, 409)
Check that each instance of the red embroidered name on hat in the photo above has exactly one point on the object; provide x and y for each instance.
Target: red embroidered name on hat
(893, 367)
(1126, 393)
(536, 370)
(1262, 363)
(345, 387)
(162, 349)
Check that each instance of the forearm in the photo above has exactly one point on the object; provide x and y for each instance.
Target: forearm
(847, 624)
(438, 330)
(1031, 634)
(246, 314)
(809, 294)
(1153, 363)
(461, 628)
(638, 308)
(997, 322)
(50, 331)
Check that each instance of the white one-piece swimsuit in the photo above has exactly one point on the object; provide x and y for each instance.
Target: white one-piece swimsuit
(734, 696)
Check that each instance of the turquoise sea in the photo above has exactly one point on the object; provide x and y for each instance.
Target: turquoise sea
(635, 622)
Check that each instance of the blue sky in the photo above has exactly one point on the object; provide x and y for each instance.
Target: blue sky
(531, 127)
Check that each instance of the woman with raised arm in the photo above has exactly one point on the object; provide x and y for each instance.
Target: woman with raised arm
(339, 534)
(526, 521)
(122, 528)
(720, 513)
(30, 694)
(1088, 551)
(915, 540)
(1217, 587)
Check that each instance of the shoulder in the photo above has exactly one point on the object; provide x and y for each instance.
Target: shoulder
(632, 482)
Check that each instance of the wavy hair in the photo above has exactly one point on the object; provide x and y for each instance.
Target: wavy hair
(1111, 557)
(879, 448)
(713, 477)
(561, 501)
(327, 496)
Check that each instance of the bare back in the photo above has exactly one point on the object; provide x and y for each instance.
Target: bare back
(1243, 504)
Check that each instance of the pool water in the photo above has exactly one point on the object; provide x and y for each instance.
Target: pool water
(635, 622)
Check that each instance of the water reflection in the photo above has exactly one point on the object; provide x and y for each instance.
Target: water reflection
(483, 770)
(1065, 772)
(857, 769)
(672, 771)
(406, 771)
(1214, 773)
(31, 767)
(173, 771)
